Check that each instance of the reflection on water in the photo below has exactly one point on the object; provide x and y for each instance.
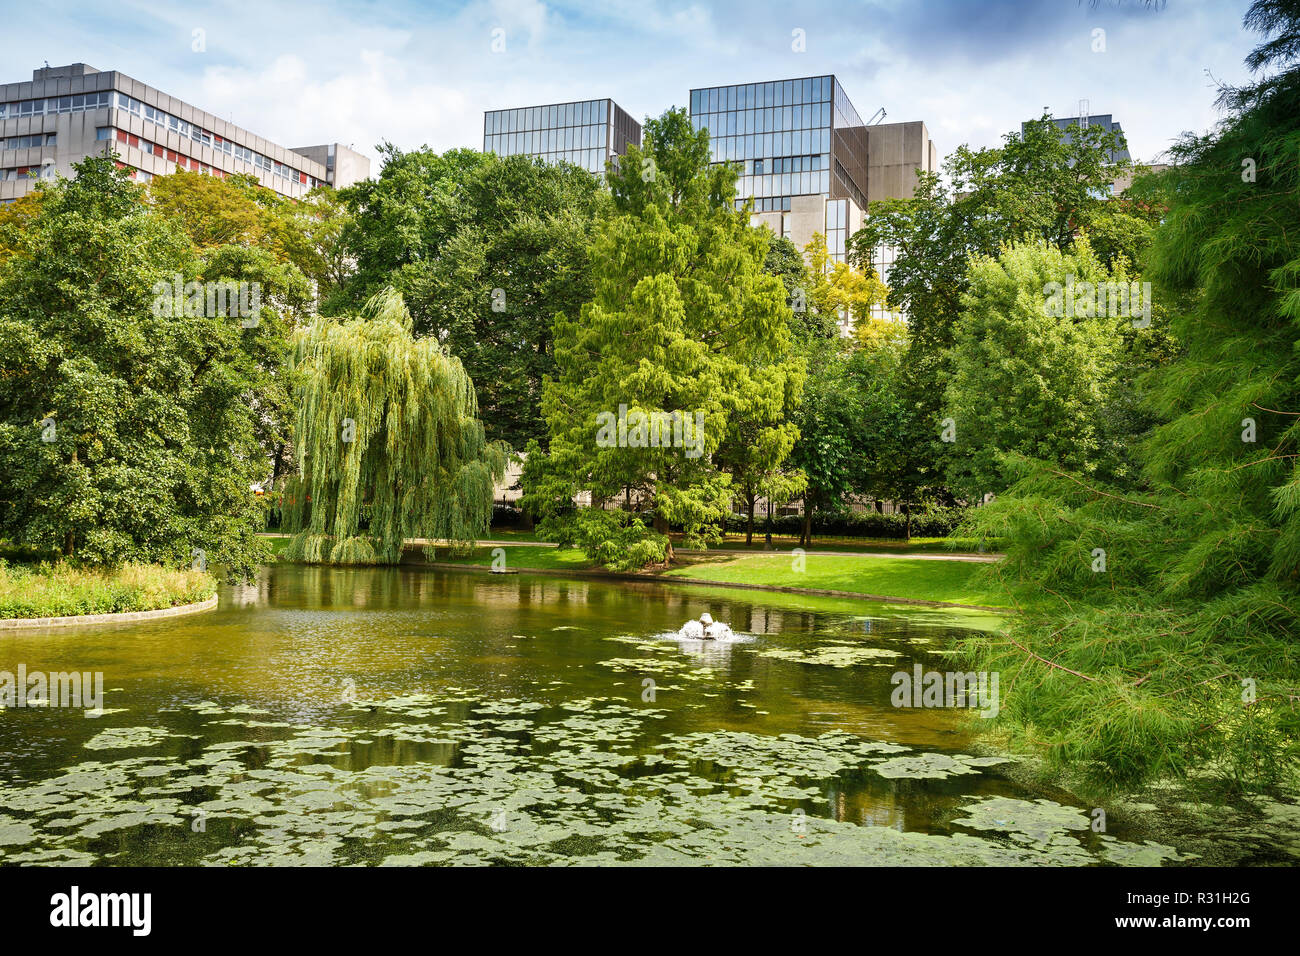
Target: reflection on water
(416, 716)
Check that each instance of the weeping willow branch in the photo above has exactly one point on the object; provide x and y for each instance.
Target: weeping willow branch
(387, 436)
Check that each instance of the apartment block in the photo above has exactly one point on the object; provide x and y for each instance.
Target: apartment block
(67, 113)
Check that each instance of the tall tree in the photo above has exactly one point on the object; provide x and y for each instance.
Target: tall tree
(126, 427)
(485, 251)
(1174, 639)
(684, 326)
(389, 443)
(1037, 186)
(1033, 373)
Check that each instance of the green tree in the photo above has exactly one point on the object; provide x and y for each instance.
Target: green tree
(826, 418)
(126, 428)
(485, 251)
(1039, 186)
(1032, 372)
(389, 443)
(1173, 641)
(683, 323)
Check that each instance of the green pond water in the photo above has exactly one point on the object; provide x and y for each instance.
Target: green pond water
(410, 716)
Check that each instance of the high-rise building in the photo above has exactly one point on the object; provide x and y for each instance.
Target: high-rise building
(808, 161)
(67, 113)
(585, 133)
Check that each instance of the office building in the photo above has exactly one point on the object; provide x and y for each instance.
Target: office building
(809, 164)
(67, 113)
(586, 133)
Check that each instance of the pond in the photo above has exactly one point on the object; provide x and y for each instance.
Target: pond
(409, 716)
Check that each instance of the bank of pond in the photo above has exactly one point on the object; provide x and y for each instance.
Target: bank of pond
(411, 715)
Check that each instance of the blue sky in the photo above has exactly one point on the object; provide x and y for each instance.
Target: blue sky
(423, 73)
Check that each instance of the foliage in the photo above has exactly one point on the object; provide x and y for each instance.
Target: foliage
(683, 321)
(1180, 649)
(841, 293)
(485, 251)
(1026, 380)
(64, 590)
(126, 431)
(387, 437)
(826, 419)
(1035, 187)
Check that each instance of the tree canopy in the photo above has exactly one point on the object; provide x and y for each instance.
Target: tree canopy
(127, 432)
(684, 327)
(389, 443)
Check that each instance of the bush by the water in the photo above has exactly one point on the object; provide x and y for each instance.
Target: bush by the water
(62, 590)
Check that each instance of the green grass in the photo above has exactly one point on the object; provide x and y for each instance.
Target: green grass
(915, 579)
(956, 582)
(61, 590)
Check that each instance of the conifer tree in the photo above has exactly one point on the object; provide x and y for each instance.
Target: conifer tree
(1165, 628)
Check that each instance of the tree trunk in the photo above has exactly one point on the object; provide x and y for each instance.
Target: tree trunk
(749, 527)
(661, 525)
(907, 510)
(767, 545)
(806, 539)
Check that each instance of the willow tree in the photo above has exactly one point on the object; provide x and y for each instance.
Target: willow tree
(389, 442)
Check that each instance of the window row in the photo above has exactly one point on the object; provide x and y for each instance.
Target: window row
(22, 172)
(729, 148)
(546, 140)
(785, 164)
(28, 142)
(592, 160)
(55, 104)
(546, 117)
(815, 89)
(779, 119)
(188, 162)
(798, 184)
(205, 138)
(769, 204)
(140, 175)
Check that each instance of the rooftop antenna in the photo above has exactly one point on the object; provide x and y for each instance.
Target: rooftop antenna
(1083, 113)
(875, 122)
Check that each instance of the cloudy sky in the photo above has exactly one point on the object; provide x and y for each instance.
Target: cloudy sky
(423, 73)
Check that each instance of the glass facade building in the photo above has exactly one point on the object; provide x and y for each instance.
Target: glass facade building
(585, 133)
(793, 138)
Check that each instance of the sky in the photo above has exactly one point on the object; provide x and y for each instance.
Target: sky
(415, 74)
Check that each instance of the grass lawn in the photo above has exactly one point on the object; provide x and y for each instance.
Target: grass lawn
(916, 579)
(60, 590)
(524, 557)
